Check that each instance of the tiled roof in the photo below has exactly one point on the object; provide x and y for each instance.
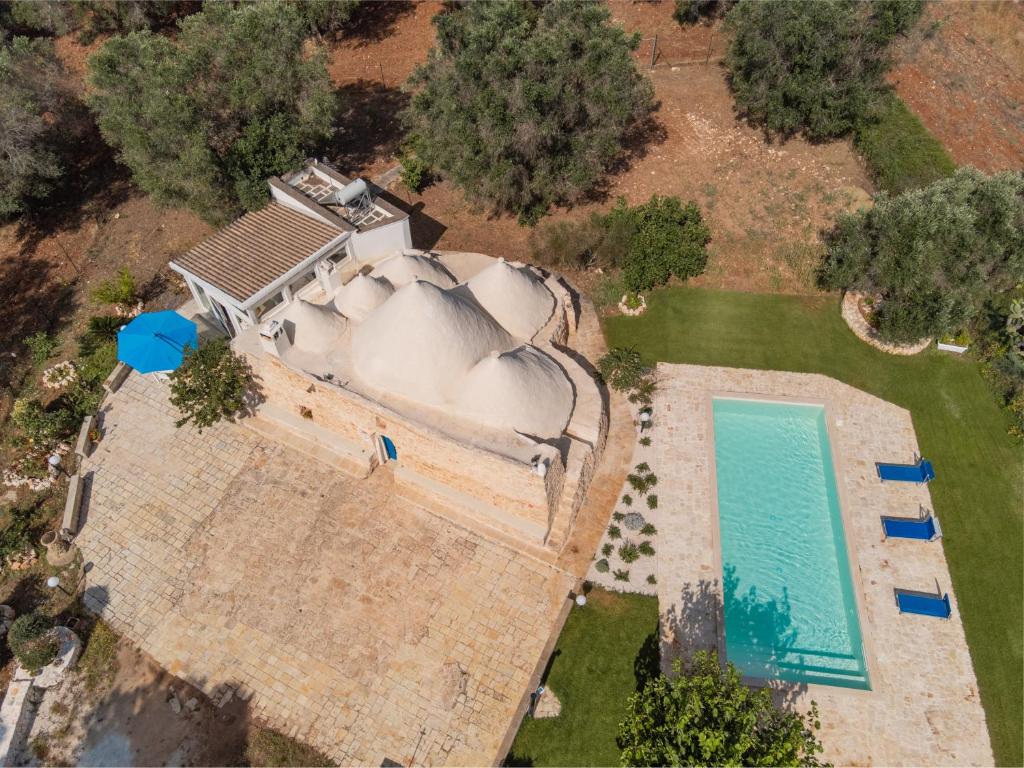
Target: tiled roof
(253, 251)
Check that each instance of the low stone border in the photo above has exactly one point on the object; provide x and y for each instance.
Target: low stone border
(625, 309)
(867, 334)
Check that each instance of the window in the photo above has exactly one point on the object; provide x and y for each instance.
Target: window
(301, 281)
(269, 304)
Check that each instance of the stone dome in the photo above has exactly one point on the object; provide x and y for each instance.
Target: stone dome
(314, 328)
(422, 341)
(404, 268)
(522, 389)
(361, 295)
(514, 296)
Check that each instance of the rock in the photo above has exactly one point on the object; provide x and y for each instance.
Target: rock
(175, 704)
(192, 704)
(548, 705)
(634, 521)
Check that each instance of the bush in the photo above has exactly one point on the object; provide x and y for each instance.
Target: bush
(326, 17)
(646, 548)
(935, 255)
(667, 239)
(652, 579)
(629, 552)
(601, 566)
(622, 368)
(900, 152)
(415, 172)
(211, 384)
(524, 105)
(16, 536)
(41, 347)
(812, 66)
(99, 659)
(571, 244)
(652, 501)
(614, 532)
(32, 641)
(704, 715)
(607, 549)
(621, 575)
(645, 441)
(691, 11)
(118, 290)
(627, 499)
(43, 427)
(618, 516)
(648, 530)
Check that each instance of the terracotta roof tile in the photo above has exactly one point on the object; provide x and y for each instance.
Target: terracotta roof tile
(256, 249)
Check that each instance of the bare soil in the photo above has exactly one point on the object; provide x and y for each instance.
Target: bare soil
(962, 72)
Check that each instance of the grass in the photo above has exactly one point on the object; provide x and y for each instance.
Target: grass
(98, 665)
(593, 672)
(900, 152)
(266, 747)
(959, 426)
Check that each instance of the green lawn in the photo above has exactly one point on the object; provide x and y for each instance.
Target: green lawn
(977, 493)
(593, 673)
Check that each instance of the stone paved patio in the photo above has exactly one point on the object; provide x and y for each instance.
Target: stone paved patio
(923, 707)
(345, 615)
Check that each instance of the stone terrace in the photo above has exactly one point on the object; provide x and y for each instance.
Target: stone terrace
(345, 615)
(923, 707)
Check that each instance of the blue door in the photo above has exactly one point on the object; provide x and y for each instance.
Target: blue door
(389, 448)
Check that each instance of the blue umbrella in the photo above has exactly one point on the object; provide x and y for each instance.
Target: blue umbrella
(156, 341)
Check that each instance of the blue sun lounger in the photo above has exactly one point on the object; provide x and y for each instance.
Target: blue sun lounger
(923, 528)
(923, 603)
(921, 472)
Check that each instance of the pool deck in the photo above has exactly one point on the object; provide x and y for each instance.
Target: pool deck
(923, 707)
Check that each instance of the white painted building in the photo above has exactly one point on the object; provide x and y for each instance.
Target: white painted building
(318, 226)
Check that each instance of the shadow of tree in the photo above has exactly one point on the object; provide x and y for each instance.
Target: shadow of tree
(369, 124)
(637, 142)
(373, 22)
(647, 664)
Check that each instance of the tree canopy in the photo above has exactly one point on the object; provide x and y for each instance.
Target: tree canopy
(934, 255)
(30, 96)
(211, 384)
(202, 121)
(667, 238)
(815, 66)
(704, 715)
(525, 106)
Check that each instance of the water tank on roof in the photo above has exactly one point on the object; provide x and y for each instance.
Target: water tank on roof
(351, 193)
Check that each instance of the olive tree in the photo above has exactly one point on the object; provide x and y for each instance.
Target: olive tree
(526, 105)
(212, 384)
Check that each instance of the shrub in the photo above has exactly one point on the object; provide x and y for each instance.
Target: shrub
(617, 516)
(119, 290)
(607, 291)
(614, 532)
(935, 255)
(571, 244)
(643, 467)
(525, 106)
(648, 530)
(32, 640)
(691, 11)
(629, 552)
(703, 714)
(668, 239)
(645, 441)
(415, 172)
(622, 368)
(41, 426)
(812, 66)
(652, 579)
(212, 384)
(15, 537)
(900, 152)
(101, 328)
(652, 501)
(621, 575)
(325, 17)
(627, 499)
(41, 347)
(646, 548)
(601, 566)
(607, 549)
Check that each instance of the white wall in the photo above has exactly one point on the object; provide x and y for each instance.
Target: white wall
(382, 241)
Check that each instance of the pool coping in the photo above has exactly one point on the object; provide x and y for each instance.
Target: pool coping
(838, 469)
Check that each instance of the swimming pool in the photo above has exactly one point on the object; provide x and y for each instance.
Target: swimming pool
(790, 610)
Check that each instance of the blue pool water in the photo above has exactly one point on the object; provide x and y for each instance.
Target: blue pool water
(790, 611)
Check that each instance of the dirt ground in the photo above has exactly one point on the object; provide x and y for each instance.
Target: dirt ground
(132, 722)
(962, 72)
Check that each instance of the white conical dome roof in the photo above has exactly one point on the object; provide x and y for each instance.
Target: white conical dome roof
(514, 297)
(422, 341)
(361, 295)
(404, 268)
(524, 390)
(314, 328)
